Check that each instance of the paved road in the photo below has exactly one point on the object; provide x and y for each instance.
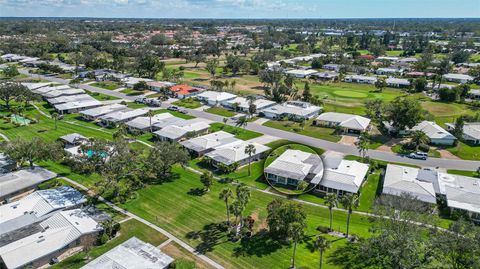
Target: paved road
(314, 142)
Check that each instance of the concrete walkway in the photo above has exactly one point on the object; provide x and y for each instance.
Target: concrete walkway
(264, 139)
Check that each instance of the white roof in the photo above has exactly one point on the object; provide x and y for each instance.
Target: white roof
(457, 76)
(234, 152)
(243, 103)
(399, 81)
(296, 108)
(181, 128)
(98, 111)
(359, 77)
(345, 120)
(131, 254)
(433, 130)
(124, 114)
(59, 231)
(35, 206)
(57, 93)
(34, 86)
(144, 122)
(461, 192)
(472, 129)
(43, 90)
(301, 72)
(78, 105)
(70, 98)
(296, 164)
(209, 141)
(213, 96)
(403, 179)
(73, 138)
(388, 69)
(23, 179)
(388, 58)
(134, 80)
(345, 175)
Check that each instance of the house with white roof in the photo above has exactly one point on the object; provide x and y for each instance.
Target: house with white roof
(471, 132)
(388, 71)
(397, 82)
(95, 113)
(23, 180)
(437, 135)
(70, 98)
(76, 106)
(73, 139)
(360, 79)
(121, 116)
(43, 90)
(206, 143)
(300, 73)
(144, 124)
(34, 86)
(350, 124)
(234, 153)
(63, 92)
(474, 94)
(341, 176)
(292, 110)
(332, 67)
(242, 104)
(294, 166)
(59, 233)
(459, 78)
(131, 81)
(182, 129)
(131, 254)
(418, 183)
(213, 98)
(36, 207)
(327, 76)
(388, 58)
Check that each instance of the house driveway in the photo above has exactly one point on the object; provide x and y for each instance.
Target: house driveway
(348, 140)
(261, 121)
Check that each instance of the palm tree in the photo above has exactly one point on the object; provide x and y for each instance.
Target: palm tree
(55, 118)
(331, 201)
(150, 115)
(297, 234)
(242, 121)
(225, 195)
(349, 201)
(250, 150)
(322, 244)
(363, 144)
(207, 180)
(419, 137)
(243, 197)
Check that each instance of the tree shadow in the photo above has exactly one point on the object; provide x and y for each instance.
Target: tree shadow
(196, 192)
(260, 244)
(211, 235)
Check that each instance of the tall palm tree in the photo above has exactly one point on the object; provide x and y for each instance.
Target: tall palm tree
(250, 150)
(419, 137)
(349, 201)
(331, 201)
(225, 195)
(243, 197)
(55, 118)
(363, 144)
(297, 233)
(242, 121)
(322, 244)
(150, 115)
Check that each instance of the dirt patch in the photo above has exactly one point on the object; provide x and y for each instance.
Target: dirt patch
(445, 154)
(174, 250)
(384, 148)
(260, 224)
(348, 140)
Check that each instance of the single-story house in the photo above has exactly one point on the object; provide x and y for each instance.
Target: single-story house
(417, 74)
(360, 79)
(325, 76)
(294, 166)
(143, 123)
(350, 124)
(7, 164)
(73, 139)
(77, 106)
(243, 104)
(94, 113)
(397, 82)
(36, 85)
(168, 121)
(121, 116)
(69, 98)
(459, 78)
(184, 91)
(292, 109)
(300, 73)
(474, 94)
(132, 254)
(131, 81)
(59, 233)
(332, 67)
(23, 180)
(441, 86)
(461, 193)
(183, 129)
(437, 135)
(407, 61)
(44, 90)
(159, 85)
(213, 98)
(65, 92)
(234, 153)
(387, 71)
(36, 207)
(471, 132)
(417, 182)
(388, 58)
(206, 143)
(341, 176)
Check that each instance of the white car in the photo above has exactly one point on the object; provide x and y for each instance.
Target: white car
(418, 155)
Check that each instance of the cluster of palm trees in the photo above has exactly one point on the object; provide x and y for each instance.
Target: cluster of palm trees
(237, 206)
(349, 202)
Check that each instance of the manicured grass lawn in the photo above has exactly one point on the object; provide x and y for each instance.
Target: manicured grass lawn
(369, 191)
(398, 149)
(221, 111)
(466, 151)
(239, 133)
(134, 105)
(199, 214)
(128, 229)
(131, 92)
(308, 129)
(101, 96)
(188, 103)
(106, 85)
(464, 173)
(174, 113)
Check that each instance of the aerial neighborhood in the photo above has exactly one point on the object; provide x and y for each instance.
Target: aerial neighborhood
(175, 143)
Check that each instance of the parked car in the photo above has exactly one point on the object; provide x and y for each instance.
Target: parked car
(183, 110)
(418, 155)
(152, 102)
(140, 100)
(173, 108)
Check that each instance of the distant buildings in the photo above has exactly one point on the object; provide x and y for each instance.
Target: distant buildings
(292, 110)
(213, 98)
(23, 180)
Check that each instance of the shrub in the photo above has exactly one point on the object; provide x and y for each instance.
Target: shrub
(323, 229)
(103, 239)
(424, 147)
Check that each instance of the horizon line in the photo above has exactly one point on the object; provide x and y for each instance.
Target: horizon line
(238, 18)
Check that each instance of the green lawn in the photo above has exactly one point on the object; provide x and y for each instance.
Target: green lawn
(101, 96)
(466, 151)
(128, 229)
(308, 129)
(131, 92)
(221, 111)
(188, 103)
(464, 173)
(239, 133)
(109, 85)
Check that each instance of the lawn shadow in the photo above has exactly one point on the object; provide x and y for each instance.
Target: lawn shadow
(260, 244)
(196, 192)
(211, 235)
